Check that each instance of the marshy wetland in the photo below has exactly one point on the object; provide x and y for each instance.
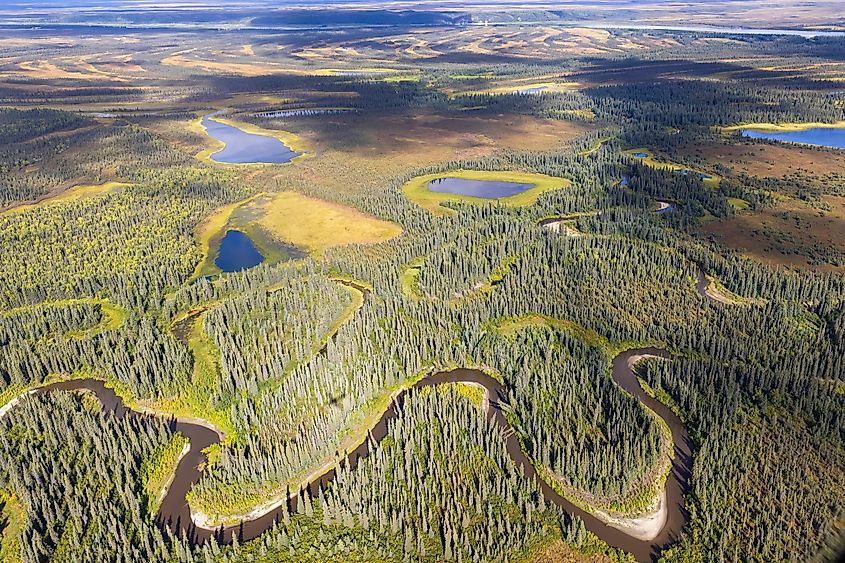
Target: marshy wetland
(436, 191)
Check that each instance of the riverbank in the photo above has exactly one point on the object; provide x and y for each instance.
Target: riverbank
(782, 127)
(175, 513)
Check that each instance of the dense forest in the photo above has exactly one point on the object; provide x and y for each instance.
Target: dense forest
(294, 361)
(76, 477)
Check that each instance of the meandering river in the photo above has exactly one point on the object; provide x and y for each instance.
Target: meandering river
(175, 514)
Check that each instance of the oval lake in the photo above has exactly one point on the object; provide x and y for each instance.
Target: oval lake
(488, 189)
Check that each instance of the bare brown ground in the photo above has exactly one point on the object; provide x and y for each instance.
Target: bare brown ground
(773, 161)
(405, 140)
(48, 71)
(361, 155)
(782, 235)
(216, 67)
(434, 137)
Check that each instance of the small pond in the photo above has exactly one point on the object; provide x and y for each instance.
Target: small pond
(640, 154)
(833, 137)
(488, 189)
(701, 175)
(357, 73)
(305, 112)
(237, 252)
(246, 148)
(532, 90)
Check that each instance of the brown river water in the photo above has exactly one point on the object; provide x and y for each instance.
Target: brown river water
(175, 514)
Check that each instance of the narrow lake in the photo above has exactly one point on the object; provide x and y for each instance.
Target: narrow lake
(237, 252)
(487, 189)
(246, 148)
(833, 137)
(532, 90)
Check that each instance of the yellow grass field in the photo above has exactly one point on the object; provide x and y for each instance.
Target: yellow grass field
(113, 315)
(315, 224)
(73, 194)
(783, 127)
(417, 189)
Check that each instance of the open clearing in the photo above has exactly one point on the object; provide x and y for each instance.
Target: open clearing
(767, 159)
(450, 135)
(73, 194)
(790, 234)
(315, 224)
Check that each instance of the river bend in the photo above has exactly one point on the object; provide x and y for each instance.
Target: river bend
(175, 514)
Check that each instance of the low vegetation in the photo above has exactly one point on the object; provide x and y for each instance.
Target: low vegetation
(316, 224)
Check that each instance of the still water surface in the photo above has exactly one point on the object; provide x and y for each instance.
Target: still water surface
(237, 252)
(246, 148)
(833, 137)
(487, 189)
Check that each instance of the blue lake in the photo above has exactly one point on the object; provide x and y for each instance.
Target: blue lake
(246, 148)
(822, 136)
(237, 252)
(532, 90)
(487, 189)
